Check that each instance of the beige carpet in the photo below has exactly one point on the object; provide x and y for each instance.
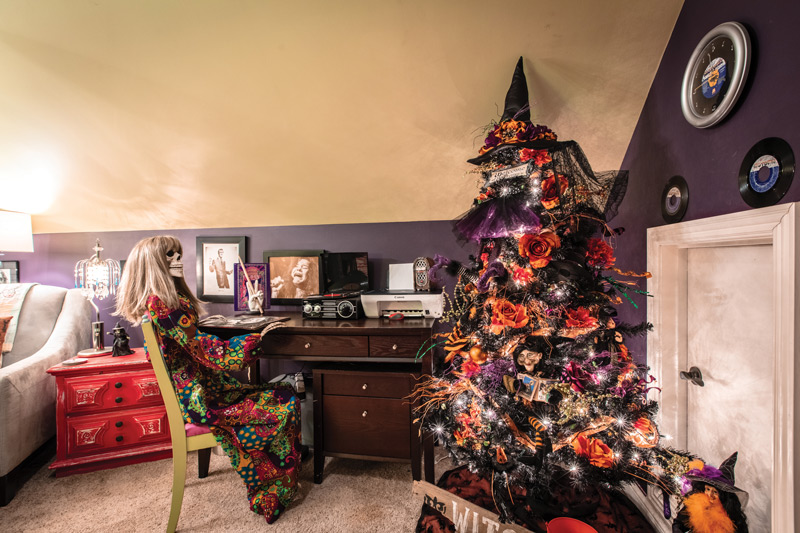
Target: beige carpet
(355, 496)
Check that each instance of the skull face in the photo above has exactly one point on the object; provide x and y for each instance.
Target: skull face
(175, 265)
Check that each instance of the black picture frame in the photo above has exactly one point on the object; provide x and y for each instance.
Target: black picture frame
(212, 286)
(282, 288)
(9, 272)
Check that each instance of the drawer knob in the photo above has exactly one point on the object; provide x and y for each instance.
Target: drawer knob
(119, 438)
(119, 424)
(118, 384)
(364, 386)
(307, 345)
(364, 414)
(118, 399)
(394, 347)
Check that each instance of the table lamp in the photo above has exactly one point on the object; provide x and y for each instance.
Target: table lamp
(16, 234)
(98, 278)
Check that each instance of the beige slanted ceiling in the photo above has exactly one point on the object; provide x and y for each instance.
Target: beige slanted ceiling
(160, 114)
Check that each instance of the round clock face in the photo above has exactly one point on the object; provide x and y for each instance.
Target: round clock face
(715, 75)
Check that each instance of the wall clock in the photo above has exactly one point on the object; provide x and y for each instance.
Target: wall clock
(715, 74)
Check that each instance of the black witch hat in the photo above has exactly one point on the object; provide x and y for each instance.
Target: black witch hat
(722, 479)
(515, 127)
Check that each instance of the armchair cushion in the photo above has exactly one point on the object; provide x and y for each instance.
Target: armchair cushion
(195, 429)
(40, 311)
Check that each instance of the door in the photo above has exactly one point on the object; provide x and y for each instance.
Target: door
(730, 338)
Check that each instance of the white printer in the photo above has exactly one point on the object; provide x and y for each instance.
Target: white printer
(406, 303)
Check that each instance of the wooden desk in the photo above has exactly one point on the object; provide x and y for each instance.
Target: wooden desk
(361, 408)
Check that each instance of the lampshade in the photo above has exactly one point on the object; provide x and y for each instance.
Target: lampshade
(16, 233)
(97, 277)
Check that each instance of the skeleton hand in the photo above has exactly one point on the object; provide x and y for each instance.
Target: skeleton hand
(255, 301)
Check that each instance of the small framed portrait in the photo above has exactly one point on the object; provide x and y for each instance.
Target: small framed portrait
(9, 272)
(533, 388)
(258, 274)
(216, 259)
(294, 275)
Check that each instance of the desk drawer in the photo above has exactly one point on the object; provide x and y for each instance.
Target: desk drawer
(84, 394)
(394, 346)
(367, 426)
(319, 345)
(374, 384)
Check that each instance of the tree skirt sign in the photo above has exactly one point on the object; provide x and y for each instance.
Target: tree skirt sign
(467, 517)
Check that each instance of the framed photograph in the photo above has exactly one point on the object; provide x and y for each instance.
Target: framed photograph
(534, 388)
(216, 257)
(9, 272)
(346, 271)
(258, 274)
(294, 275)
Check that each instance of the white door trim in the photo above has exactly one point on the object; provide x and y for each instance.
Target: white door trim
(667, 344)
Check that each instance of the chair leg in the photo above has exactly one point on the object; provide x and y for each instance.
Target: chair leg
(178, 482)
(203, 459)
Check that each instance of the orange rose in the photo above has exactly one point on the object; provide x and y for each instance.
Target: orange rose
(551, 193)
(580, 318)
(539, 248)
(599, 254)
(521, 275)
(506, 314)
(508, 130)
(598, 453)
(540, 157)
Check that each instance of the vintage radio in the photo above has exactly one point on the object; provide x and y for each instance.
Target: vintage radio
(345, 306)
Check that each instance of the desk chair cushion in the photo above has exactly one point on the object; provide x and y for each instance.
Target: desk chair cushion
(196, 429)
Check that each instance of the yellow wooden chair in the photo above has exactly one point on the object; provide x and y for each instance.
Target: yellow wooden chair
(185, 437)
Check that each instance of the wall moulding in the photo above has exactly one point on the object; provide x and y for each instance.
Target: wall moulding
(667, 248)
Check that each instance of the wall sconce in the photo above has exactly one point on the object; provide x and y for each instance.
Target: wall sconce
(98, 278)
(16, 233)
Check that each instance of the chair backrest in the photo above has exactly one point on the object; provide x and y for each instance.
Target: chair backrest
(174, 413)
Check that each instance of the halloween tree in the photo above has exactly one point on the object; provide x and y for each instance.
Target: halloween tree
(537, 389)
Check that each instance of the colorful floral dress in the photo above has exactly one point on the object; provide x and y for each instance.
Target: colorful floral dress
(258, 426)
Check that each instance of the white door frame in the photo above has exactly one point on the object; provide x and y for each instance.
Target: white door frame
(667, 345)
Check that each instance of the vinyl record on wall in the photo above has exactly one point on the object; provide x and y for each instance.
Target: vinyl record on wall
(674, 199)
(766, 172)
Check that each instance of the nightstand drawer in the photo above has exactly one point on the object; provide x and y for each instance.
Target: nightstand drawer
(110, 391)
(394, 346)
(105, 432)
(370, 384)
(367, 426)
(316, 345)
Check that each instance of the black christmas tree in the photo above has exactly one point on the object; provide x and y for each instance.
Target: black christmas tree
(536, 389)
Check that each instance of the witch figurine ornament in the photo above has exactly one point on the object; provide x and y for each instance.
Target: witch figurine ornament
(712, 503)
(121, 339)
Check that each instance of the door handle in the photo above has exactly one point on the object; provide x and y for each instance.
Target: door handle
(694, 375)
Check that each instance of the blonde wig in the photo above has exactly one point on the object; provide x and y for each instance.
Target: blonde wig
(147, 273)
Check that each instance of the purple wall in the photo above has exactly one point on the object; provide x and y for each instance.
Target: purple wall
(55, 255)
(664, 144)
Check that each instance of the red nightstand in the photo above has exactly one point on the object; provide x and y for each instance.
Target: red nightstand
(109, 413)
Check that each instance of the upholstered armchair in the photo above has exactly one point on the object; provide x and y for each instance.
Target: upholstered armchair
(54, 324)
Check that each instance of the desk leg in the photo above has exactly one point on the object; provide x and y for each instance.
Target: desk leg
(427, 444)
(416, 457)
(319, 441)
(254, 372)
